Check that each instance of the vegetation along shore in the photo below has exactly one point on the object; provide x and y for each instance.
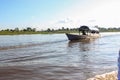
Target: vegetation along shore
(29, 30)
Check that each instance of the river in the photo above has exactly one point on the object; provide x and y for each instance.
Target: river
(53, 57)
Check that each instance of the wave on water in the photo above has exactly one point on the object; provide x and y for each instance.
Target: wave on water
(30, 58)
(25, 45)
(30, 45)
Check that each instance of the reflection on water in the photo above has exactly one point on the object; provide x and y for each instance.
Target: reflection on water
(84, 45)
(53, 57)
(83, 56)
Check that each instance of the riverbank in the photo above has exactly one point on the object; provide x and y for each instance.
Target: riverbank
(18, 33)
(30, 32)
(38, 32)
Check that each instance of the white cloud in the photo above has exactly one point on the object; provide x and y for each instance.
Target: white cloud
(93, 12)
(67, 20)
(104, 13)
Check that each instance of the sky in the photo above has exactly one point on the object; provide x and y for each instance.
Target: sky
(43, 14)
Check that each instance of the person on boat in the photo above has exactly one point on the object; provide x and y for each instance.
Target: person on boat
(84, 29)
(83, 33)
(93, 31)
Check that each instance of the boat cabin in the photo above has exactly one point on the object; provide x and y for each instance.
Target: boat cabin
(85, 30)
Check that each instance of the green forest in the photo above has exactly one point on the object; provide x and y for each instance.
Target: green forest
(30, 30)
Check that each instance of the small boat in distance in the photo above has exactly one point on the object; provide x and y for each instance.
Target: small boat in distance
(85, 33)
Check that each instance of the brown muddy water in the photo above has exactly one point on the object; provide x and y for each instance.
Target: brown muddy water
(53, 57)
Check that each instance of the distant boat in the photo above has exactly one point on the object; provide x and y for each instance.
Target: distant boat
(87, 34)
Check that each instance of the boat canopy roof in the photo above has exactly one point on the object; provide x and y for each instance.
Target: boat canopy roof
(86, 28)
(93, 29)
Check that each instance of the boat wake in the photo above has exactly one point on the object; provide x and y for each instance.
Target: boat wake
(30, 45)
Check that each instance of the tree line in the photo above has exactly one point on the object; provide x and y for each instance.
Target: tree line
(28, 29)
(63, 29)
(101, 29)
(109, 29)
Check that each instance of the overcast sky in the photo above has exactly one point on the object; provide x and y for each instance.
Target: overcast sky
(43, 14)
